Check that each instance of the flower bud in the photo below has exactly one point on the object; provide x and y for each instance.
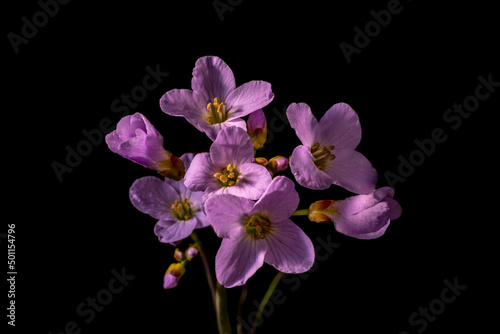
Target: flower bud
(257, 128)
(260, 161)
(178, 255)
(173, 275)
(136, 139)
(278, 164)
(192, 251)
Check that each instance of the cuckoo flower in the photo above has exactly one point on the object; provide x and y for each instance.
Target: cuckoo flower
(327, 154)
(136, 139)
(178, 209)
(214, 101)
(228, 168)
(361, 216)
(258, 232)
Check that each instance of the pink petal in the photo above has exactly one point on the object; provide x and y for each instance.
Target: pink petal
(238, 259)
(352, 170)
(173, 230)
(226, 214)
(340, 127)
(153, 196)
(367, 224)
(252, 181)
(212, 78)
(306, 172)
(303, 121)
(279, 200)
(182, 103)
(248, 98)
(200, 174)
(232, 146)
(289, 249)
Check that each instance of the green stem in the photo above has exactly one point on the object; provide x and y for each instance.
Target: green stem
(265, 299)
(243, 297)
(301, 212)
(206, 266)
(223, 323)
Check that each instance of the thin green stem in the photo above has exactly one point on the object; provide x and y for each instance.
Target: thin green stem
(265, 299)
(243, 297)
(223, 323)
(206, 266)
(301, 212)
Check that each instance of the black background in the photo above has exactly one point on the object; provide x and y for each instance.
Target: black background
(70, 235)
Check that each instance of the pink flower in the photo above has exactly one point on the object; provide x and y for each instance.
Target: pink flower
(361, 216)
(258, 232)
(228, 168)
(215, 102)
(136, 139)
(327, 154)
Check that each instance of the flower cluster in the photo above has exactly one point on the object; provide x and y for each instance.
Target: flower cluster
(240, 196)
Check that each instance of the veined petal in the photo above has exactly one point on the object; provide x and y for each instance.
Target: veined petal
(154, 197)
(212, 78)
(182, 103)
(232, 146)
(303, 121)
(340, 127)
(238, 259)
(289, 249)
(367, 224)
(306, 172)
(226, 214)
(201, 173)
(252, 181)
(172, 230)
(354, 204)
(248, 98)
(279, 200)
(352, 170)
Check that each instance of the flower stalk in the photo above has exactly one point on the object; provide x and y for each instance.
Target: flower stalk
(265, 299)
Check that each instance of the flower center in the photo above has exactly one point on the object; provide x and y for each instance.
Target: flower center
(258, 227)
(227, 176)
(217, 112)
(182, 210)
(322, 155)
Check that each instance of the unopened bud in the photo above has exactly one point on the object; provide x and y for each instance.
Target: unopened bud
(173, 275)
(178, 254)
(257, 128)
(261, 161)
(278, 164)
(192, 251)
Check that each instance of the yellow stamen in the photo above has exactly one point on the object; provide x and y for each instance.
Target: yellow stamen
(231, 183)
(230, 167)
(223, 178)
(217, 175)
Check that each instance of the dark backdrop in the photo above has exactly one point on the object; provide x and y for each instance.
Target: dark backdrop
(75, 232)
